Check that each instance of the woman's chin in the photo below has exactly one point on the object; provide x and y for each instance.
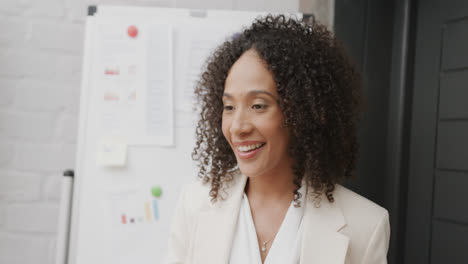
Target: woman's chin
(249, 172)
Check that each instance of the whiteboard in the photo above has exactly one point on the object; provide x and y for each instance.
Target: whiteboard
(137, 126)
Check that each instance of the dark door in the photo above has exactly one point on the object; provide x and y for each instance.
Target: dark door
(437, 213)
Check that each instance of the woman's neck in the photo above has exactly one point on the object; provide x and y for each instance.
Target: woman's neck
(272, 187)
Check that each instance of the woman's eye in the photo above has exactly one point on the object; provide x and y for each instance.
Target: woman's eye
(228, 108)
(259, 106)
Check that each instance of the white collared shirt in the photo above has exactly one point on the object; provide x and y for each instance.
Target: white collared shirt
(286, 247)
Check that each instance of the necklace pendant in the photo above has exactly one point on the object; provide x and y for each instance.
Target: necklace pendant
(263, 247)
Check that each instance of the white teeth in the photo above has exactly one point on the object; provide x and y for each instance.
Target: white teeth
(249, 147)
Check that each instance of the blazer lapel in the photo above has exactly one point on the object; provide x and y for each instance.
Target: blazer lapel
(216, 226)
(321, 241)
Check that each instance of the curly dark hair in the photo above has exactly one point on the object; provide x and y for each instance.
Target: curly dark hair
(320, 96)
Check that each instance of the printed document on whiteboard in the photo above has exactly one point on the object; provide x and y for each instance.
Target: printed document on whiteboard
(133, 76)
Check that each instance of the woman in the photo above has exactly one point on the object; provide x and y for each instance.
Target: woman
(277, 132)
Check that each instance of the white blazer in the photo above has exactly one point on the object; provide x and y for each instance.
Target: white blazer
(351, 230)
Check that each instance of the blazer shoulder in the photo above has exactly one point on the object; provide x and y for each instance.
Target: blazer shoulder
(195, 196)
(357, 206)
(367, 225)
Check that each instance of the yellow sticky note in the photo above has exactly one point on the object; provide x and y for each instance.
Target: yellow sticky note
(112, 152)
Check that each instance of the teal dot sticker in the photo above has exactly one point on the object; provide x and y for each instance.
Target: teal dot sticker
(156, 191)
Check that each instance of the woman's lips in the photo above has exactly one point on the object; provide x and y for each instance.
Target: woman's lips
(249, 154)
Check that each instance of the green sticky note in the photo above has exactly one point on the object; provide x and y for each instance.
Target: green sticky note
(156, 191)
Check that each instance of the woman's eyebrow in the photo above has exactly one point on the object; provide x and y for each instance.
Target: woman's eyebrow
(255, 92)
(251, 93)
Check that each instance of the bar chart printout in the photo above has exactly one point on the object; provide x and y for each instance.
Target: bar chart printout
(132, 206)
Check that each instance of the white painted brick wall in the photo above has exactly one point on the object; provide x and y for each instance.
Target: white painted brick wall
(51, 188)
(14, 7)
(50, 35)
(27, 63)
(68, 129)
(7, 93)
(41, 47)
(14, 37)
(27, 125)
(55, 96)
(24, 249)
(18, 186)
(6, 154)
(46, 9)
(2, 214)
(44, 157)
(31, 217)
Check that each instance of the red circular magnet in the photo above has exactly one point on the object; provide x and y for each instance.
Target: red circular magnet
(132, 31)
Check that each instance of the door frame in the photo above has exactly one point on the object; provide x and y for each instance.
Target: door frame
(355, 24)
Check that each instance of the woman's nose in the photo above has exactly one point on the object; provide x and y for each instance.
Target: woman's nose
(241, 124)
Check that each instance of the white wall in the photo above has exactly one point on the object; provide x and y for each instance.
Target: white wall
(41, 46)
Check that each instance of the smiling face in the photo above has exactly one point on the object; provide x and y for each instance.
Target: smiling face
(252, 120)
